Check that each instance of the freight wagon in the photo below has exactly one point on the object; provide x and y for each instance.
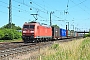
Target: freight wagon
(72, 33)
(75, 34)
(63, 33)
(68, 33)
(55, 33)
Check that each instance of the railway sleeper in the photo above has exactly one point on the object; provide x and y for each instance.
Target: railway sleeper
(1, 55)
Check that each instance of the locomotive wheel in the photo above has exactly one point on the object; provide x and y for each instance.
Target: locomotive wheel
(35, 41)
(24, 41)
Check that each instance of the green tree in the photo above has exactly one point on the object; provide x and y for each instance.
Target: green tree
(55, 26)
(13, 27)
(9, 34)
(87, 35)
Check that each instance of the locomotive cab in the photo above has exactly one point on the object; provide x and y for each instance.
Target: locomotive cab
(28, 31)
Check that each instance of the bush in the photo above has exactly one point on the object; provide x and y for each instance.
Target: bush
(87, 35)
(9, 34)
(17, 34)
(1, 34)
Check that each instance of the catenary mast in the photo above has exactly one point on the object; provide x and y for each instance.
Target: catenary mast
(10, 14)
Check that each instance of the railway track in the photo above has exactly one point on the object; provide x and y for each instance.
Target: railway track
(12, 49)
(13, 45)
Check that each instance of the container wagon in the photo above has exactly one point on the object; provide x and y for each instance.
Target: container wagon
(55, 33)
(72, 33)
(68, 34)
(62, 33)
(75, 34)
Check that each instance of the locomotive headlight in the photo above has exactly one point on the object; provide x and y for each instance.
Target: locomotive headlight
(56, 31)
(32, 31)
(24, 31)
(23, 34)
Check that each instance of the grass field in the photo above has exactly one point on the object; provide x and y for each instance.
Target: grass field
(73, 50)
(15, 40)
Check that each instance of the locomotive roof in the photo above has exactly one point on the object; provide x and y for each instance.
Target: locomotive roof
(30, 22)
(27, 23)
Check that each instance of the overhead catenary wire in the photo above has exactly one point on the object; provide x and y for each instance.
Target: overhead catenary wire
(4, 2)
(44, 8)
(46, 11)
(80, 7)
(3, 12)
(3, 7)
(84, 4)
(13, 15)
(13, 9)
(50, 6)
(76, 4)
(12, 6)
(80, 3)
(41, 16)
(30, 6)
(40, 6)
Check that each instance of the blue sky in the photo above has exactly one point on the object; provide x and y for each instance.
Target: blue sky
(78, 12)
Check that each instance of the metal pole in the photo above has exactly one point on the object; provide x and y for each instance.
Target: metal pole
(84, 33)
(66, 31)
(73, 27)
(68, 25)
(77, 29)
(10, 14)
(50, 19)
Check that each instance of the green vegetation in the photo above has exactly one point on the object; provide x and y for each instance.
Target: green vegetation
(74, 50)
(9, 34)
(54, 46)
(14, 40)
(12, 25)
(55, 26)
(85, 49)
(87, 35)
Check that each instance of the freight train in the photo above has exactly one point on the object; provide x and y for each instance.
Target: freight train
(35, 32)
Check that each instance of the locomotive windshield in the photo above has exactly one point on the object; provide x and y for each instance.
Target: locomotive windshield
(32, 26)
(26, 26)
(29, 26)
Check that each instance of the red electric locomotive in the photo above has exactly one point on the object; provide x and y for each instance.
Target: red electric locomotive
(34, 32)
